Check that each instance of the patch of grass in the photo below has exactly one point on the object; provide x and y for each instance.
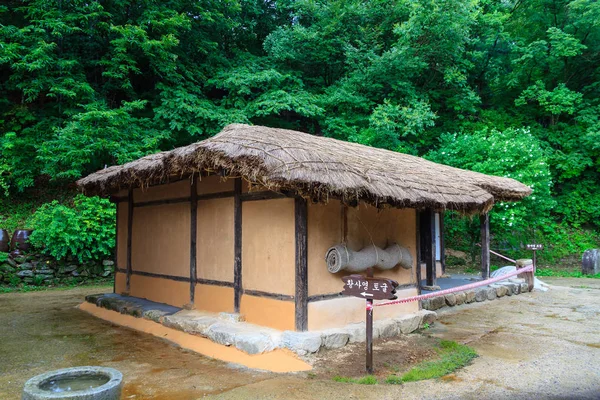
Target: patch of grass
(563, 273)
(394, 380)
(365, 380)
(426, 326)
(452, 357)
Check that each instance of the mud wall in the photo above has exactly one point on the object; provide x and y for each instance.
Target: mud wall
(328, 225)
(365, 225)
(268, 246)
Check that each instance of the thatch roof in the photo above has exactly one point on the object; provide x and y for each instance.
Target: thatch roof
(315, 167)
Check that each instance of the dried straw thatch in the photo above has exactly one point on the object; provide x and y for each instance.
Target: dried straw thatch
(316, 167)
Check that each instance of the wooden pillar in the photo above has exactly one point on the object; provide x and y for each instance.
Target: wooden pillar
(129, 233)
(237, 244)
(301, 297)
(428, 243)
(418, 247)
(442, 244)
(484, 220)
(116, 255)
(193, 236)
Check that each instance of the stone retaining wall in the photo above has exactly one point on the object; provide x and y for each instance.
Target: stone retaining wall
(39, 270)
(509, 288)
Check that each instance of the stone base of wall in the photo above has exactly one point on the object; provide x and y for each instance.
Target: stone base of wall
(229, 330)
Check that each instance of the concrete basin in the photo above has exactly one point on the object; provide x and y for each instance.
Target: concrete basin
(79, 383)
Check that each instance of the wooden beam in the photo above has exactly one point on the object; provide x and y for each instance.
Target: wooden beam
(269, 295)
(213, 282)
(264, 195)
(193, 236)
(237, 244)
(484, 221)
(301, 297)
(217, 195)
(129, 233)
(162, 201)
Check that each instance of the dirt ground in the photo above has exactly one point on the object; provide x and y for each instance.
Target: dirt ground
(537, 345)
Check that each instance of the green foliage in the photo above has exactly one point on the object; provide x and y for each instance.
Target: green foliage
(513, 153)
(84, 230)
(3, 257)
(89, 84)
(452, 356)
(38, 280)
(563, 273)
(394, 380)
(365, 380)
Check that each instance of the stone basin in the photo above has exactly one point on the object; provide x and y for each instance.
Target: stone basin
(79, 383)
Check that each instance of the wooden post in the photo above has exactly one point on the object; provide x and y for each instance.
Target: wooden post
(528, 276)
(484, 220)
(193, 236)
(428, 243)
(116, 255)
(442, 244)
(369, 329)
(129, 233)
(433, 247)
(301, 296)
(418, 246)
(237, 244)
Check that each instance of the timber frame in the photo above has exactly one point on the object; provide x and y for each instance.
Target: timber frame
(300, 299)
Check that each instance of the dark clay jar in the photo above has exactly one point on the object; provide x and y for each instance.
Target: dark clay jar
(4, 241)
(19, 242)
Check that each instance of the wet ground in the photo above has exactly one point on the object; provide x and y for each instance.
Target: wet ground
(537, 345)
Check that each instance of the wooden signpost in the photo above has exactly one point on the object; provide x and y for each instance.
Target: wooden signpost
(534, 248)
(370, 289)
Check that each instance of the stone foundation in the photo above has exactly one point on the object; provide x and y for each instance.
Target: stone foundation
(227, 329)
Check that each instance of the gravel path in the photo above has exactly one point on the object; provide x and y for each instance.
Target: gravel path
(542, 345)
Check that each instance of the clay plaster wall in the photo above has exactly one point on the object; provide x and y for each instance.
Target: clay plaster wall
(214, 244)
(268, 246)
(161, 290)
(365, 225)
(277, 314)
(213, 298)
(120, 283)
(214, 184)
(161, 239)
(161, 192)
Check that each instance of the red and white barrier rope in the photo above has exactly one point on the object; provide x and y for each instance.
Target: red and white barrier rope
(529, 268)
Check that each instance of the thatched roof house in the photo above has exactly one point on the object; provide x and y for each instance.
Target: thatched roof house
(241, 222)
(318, 168)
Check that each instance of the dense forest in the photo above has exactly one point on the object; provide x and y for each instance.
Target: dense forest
(507, 87)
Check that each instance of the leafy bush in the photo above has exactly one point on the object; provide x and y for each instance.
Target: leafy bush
(85, 230)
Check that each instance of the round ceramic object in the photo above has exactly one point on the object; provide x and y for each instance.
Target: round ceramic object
(590, 263)
(19, 242)
(4, 241)
(79, 383)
